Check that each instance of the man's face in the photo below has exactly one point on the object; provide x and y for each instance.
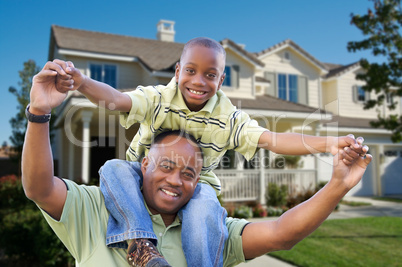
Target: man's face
(171, 172)
(199, 75)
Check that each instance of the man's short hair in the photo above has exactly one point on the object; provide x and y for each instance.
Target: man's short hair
(205, 42)
(159, 138)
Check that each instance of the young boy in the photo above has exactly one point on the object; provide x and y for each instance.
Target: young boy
(192, 102)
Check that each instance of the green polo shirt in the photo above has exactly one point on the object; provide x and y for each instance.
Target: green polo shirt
(218, 126)
(83, 223)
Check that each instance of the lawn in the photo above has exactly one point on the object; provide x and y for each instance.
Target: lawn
(373, 241)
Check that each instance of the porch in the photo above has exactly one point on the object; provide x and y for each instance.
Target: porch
(250, 185)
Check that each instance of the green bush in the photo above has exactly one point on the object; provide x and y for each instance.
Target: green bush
(274, 211)
(276, 195)
(243, 212)
(25, 237)
(301, 196)
(259, 211)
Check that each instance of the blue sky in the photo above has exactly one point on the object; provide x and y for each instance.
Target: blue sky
(320, 27)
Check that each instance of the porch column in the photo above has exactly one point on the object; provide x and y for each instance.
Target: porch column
(86, 117)
(239, 161)
(262, 176)
(379, 168)
(71, 157)
(317, 129)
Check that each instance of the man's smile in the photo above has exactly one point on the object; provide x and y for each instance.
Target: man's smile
(169, 193)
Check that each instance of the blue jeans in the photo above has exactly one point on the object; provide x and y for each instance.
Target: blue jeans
(203, 218)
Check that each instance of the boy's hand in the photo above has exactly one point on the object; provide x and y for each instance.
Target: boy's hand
(339, 143)
(43, 95)
(72, 80)
(349, 154)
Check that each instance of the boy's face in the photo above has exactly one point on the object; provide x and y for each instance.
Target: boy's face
(199, 75)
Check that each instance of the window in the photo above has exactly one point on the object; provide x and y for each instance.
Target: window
(228, 78)
(288, 87)
(104, 73)
(359, 95)
(232, 78)
(286, 56)
(390, 99)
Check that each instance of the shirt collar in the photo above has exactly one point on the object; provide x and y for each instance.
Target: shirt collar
(157, 218)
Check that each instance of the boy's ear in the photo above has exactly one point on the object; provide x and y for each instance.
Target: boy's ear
(221, 81)
(177, 71)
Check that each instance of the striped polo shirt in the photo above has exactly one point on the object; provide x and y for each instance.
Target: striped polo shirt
(218, 127)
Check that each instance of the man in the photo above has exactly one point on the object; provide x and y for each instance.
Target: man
(78, 215)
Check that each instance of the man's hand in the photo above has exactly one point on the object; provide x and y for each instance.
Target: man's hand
(339, 143)
(349, 167)
(72, 80)
(44, 95)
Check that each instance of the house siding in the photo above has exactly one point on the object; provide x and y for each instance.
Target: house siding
(298, 66)
(348, 108)
(330, 97)
(245, 89)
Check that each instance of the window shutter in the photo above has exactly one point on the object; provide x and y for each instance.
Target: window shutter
(271, 90)
(302, 86)
(236, 76)
(354, 94)
(366, 96)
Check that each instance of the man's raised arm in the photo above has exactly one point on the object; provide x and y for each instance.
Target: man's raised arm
(300, 221)
(47, 191)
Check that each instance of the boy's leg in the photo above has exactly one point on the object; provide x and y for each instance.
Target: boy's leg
(120, 183)
(204, 231)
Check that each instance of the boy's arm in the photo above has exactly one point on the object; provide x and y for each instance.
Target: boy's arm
(47, 191)
(300, 221)
(101, 94)
(300, 144)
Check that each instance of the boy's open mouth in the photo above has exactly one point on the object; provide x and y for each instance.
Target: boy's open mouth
(196, 92)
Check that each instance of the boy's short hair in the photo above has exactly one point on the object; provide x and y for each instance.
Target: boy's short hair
(205, 42)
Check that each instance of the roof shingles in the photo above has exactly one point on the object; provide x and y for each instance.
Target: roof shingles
(156, 55)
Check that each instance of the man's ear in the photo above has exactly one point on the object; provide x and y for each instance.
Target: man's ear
(144, 165)
(221, 81)
(177, 71)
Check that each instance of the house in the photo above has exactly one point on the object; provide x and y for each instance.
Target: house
(283, 87)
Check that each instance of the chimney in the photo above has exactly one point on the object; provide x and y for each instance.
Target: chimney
(165, 30)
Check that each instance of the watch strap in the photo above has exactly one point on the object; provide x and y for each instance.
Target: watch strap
(36, 118)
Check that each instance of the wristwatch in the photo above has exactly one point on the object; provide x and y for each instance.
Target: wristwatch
(36, 118)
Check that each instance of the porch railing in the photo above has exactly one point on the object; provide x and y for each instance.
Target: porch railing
(245, 185)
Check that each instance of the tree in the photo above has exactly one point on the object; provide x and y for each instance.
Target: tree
(19, 122)
(382, 26)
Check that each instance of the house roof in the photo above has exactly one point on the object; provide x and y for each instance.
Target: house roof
(154, 54)
(263, 102)
(292, 44)
(250, 56)
(266, 102)
(338, 70)
(261, 79)
(351, 122)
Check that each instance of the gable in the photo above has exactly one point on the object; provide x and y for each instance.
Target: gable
(289, 45)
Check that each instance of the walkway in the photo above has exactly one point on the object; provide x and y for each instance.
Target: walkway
(377, 209)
